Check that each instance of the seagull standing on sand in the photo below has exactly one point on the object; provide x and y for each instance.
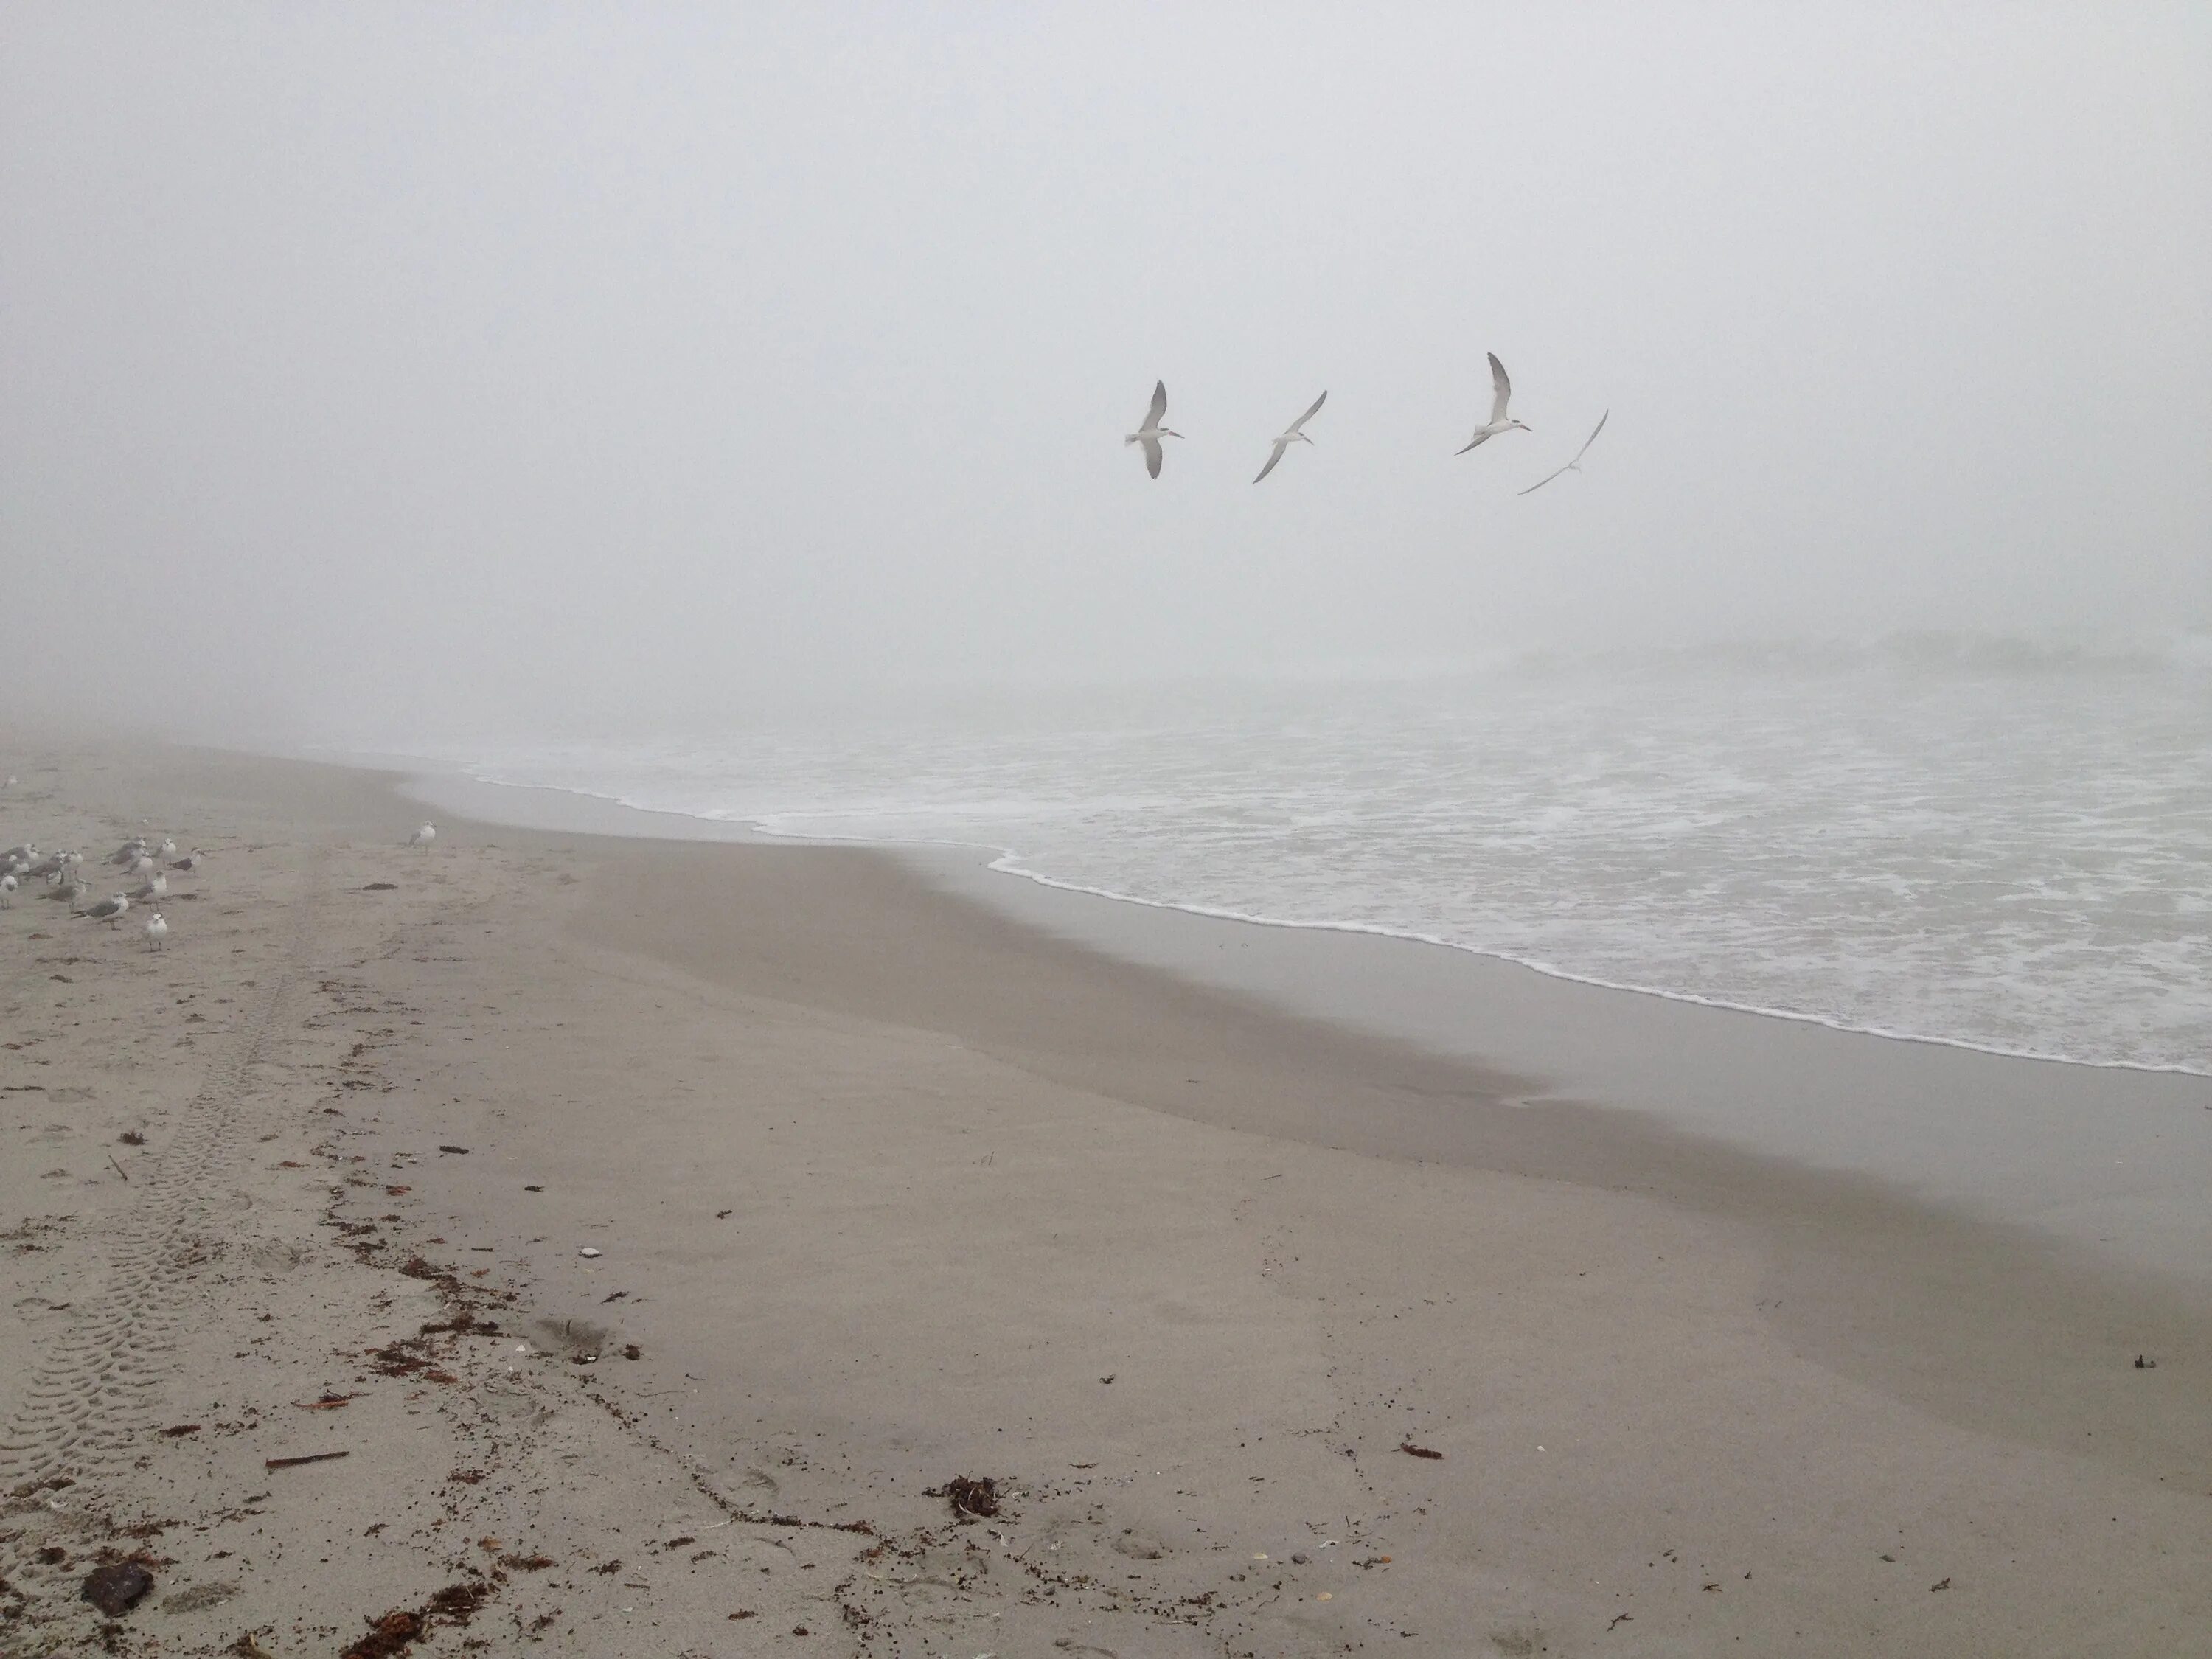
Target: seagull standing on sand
(190, 862)
(154, 887)
(1576, 465)
(1293, 436)
(1500, 389)
(8, 891)
(128, 853)
(156, 931)
(1152, 432)
(423, 837)
(109, 910)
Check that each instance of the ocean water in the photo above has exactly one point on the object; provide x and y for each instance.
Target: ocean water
(1976, 842)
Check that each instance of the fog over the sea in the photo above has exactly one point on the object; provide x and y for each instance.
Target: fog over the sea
(529, 361)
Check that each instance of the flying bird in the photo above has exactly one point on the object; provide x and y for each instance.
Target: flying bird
(1293, 436)
(423, 837)
(109, 910)
(1501, 388)
(1576, 465)
(1151, 431)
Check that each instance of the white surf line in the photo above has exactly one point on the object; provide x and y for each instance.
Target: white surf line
(1006, 860)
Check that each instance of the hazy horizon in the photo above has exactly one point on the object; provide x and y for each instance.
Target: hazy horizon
(465, 363)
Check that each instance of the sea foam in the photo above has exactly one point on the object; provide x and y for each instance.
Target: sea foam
(1987, 845)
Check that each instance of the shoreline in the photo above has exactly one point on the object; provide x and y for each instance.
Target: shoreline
(1844, 1250)
(2111, 1158)
(432, 788)
(675, 1218)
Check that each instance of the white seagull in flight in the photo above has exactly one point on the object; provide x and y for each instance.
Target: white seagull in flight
(1576, 465)
(1152, 432)
(1501, 389)
(1292, 436)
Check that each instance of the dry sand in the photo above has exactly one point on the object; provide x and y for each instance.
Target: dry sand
(886, 1190)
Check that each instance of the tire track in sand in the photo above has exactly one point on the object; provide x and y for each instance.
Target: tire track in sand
(100, 1380)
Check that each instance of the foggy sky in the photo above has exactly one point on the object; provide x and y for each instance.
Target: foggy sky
(534, 361)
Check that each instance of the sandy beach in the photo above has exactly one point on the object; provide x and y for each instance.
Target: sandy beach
(588, 1243)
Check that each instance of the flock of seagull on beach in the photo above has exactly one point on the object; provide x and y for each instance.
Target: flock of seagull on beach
(143, 861)
(146, 861)
(1501, 392)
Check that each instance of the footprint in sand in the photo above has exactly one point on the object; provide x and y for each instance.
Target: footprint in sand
(1139, 1544)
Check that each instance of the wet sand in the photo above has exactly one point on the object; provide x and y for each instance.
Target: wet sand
(889, 1186)
(2117, 1160)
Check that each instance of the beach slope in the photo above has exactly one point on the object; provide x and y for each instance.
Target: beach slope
(569, 1243)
